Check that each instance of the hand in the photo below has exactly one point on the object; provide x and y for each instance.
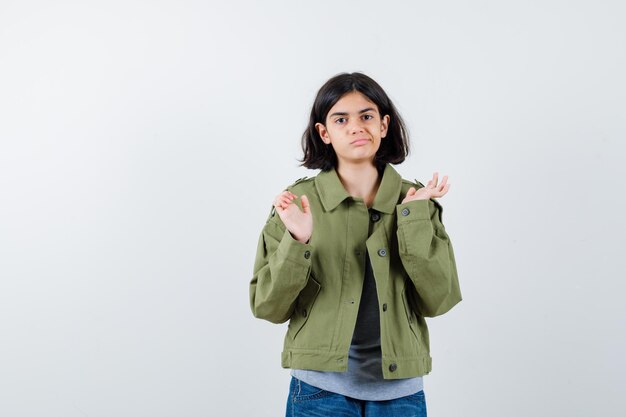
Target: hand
(431, 190)
(298, 222)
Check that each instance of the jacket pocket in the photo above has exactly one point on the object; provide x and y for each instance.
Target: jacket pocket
(409, 312)
(416, 321)
(304, 307)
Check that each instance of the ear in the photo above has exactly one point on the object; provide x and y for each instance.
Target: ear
(384, 125)
(321, 130)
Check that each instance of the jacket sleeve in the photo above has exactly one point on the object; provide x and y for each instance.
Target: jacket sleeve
(427, 256)
(281, 270)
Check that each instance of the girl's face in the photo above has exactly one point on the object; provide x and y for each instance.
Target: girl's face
(354, 128)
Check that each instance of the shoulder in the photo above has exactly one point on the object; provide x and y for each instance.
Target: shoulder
(406, 184)
(301, 185)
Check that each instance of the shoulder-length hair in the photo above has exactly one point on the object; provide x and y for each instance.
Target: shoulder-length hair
(318, 155)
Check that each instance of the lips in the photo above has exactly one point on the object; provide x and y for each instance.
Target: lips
(360, 141)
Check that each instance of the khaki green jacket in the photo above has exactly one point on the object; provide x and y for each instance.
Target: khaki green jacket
(317, 286)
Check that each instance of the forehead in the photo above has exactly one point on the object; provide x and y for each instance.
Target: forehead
(352, 102)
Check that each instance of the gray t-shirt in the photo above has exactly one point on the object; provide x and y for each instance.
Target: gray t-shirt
(364, 378)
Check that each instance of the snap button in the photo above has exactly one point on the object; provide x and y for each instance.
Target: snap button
(375, 217)
(405, 211)
(385, 307)
(307, 254)
(382, 252)
(393, 367)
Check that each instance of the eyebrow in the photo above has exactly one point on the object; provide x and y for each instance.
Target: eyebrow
(346, 114)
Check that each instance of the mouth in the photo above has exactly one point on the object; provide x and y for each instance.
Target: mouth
(360, 141)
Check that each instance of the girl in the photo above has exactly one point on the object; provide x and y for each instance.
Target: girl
(355, 258)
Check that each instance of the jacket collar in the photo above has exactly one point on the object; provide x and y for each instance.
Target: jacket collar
(332, 192)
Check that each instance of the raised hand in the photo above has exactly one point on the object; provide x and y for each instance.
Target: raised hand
(298, 222)
(431, 190)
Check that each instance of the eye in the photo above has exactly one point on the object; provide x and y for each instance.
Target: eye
(340, 120)
(368, 117)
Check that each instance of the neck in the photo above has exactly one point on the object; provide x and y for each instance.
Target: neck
(360, 180)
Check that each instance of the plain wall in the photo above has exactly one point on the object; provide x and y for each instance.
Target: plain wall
(142, 143)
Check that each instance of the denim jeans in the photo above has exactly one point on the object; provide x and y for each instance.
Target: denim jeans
(308, 401)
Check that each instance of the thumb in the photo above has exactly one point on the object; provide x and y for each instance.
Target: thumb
(411, 192)
(306, 208)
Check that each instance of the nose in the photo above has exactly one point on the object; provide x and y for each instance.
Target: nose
(355, 126)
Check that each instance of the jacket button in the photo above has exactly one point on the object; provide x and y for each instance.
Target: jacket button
(393, 367)
(382, 252)
(307, 254)
(304, 313)
(385, 307)
(405, 212)
(375, 217)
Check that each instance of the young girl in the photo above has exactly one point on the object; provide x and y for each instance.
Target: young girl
(355, 258)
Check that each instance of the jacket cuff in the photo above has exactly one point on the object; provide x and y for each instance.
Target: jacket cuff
(295, 251)
(413, 210)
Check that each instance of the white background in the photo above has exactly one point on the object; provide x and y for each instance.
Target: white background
(142, 142)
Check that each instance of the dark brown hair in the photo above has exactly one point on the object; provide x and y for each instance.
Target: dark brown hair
(318, 155)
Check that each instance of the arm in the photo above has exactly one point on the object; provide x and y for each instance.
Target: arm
(427, 256)
(281, 270)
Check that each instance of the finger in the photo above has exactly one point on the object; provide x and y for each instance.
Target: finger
(443, 192)
(443, 182)
(305, 204)
(411, 192)
(288, 194)
(280, 197)
(282, 202)
(435, 179)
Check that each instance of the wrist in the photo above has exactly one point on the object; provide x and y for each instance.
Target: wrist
(301, 239)
(304, 240)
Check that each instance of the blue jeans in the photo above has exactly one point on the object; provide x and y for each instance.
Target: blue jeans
(308, 401)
